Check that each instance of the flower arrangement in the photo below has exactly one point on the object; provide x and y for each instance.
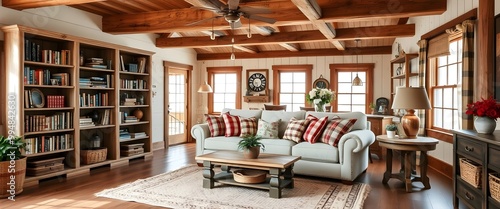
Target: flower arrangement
(484, 108)
(325, 95)
(320, 97)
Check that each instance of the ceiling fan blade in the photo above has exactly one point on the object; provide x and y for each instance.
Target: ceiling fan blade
(255, 10)
(217, 4)
(235, 25)
(233, 4)
(204, 20)
(262, 19)
(207, 8)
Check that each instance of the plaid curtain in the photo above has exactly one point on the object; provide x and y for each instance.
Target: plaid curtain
(422, 65)
(467, 85)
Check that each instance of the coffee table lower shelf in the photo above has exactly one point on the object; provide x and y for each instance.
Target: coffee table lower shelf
(227, 178)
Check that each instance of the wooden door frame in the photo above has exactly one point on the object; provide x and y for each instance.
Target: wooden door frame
(189, 69)
(361, 67)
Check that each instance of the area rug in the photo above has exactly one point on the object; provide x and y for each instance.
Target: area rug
(183, 188)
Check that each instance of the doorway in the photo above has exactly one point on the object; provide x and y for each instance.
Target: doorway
(177, 117)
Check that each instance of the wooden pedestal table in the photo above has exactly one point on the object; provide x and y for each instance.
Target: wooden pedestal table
(407, 147)
(280, 169)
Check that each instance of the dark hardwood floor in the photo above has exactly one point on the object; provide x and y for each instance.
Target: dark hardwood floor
(78, 193)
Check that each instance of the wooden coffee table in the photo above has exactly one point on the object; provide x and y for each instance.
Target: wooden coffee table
(277, 165)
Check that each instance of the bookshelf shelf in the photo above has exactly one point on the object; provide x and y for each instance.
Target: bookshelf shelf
(134, 123)
(133, 139)
(73, 64)
(51, 152)
(47, 132)
(96, 127)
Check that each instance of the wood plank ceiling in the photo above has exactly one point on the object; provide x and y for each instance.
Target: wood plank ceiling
(302, 27)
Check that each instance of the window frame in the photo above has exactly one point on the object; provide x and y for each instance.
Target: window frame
(211, 71)
(361, 67)
(433, 76)
(278, 69)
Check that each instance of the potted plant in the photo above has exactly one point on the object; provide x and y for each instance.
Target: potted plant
(251, 146)
(12, 166)
(320, 97)
(391, 130)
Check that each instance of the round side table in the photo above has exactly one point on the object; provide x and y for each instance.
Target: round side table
(407, 147)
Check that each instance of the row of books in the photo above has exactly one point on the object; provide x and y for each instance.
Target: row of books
(124, 134)
(48, 143)
(133, 84)
(126, 118)
(86, 122)
(55, 101)
(58, 121)
(97, 82)
(95, 62)
(94, 100)
(33, 52)
(139, 67)
(39, 76)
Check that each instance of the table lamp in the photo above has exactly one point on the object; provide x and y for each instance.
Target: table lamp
(411, 98)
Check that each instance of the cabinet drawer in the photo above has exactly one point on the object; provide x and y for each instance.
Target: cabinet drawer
(471, 148)
(468, 195)
(494, 157)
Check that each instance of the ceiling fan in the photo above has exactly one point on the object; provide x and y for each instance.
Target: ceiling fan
(232, 13)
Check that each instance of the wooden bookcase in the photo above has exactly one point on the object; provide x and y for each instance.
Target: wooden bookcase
(55, 80)
(401, 64)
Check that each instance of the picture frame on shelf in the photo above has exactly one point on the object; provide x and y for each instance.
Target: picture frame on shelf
(37, 98)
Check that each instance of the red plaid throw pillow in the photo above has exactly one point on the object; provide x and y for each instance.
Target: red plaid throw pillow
(232, 123)
(215, 125)
(248, 126)
(295, 129)
(336, 129)
(316, 126)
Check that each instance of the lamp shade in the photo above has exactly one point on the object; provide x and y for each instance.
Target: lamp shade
(357, 81)
(205, 88)
(411, 98)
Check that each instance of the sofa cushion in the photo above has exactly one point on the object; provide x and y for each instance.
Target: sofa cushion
(268, 129)
(295, 129)
(319, 152)
(232, 123)
(315, 128)
(278, 146)
(335, 130)
(222, 143)
(271, 116)
(216, 125)
(361, 122)
(248, 126)
(244, 113)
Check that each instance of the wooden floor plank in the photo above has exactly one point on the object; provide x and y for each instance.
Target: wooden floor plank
(78, 193)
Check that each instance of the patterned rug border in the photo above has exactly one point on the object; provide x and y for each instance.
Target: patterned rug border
(360, 190)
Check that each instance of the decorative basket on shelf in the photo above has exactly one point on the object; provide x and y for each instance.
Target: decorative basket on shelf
(94, 155)
(248, 176)
(494, 182)
(470, 172)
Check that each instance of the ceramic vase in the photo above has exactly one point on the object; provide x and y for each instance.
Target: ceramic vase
(318, 106)
(485, 125)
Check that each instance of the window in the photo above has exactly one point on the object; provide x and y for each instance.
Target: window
(291, 84)
(226, 83)
(445, 77)
(352, 98)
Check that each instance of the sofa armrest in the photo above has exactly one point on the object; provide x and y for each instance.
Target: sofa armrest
(200, 132)
(364, 138)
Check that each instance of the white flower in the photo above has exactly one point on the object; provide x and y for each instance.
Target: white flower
(312, 94)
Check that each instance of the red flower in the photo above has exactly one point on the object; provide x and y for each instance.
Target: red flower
(484, 108)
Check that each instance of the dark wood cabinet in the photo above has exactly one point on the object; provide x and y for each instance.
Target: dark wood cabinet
(484, 151)
(378, 123)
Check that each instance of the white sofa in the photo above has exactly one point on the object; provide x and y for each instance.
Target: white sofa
(345, 162)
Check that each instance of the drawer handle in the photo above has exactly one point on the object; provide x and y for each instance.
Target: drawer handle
(469, 196)
(469, 149)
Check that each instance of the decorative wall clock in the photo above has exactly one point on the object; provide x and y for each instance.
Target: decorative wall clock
(257, 80)
(321, 83)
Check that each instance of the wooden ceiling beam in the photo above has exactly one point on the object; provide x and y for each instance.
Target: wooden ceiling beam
(375, 32)
(29, 4)
(303, 53)
(249, 49)
(374, 9)
(294, 47)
